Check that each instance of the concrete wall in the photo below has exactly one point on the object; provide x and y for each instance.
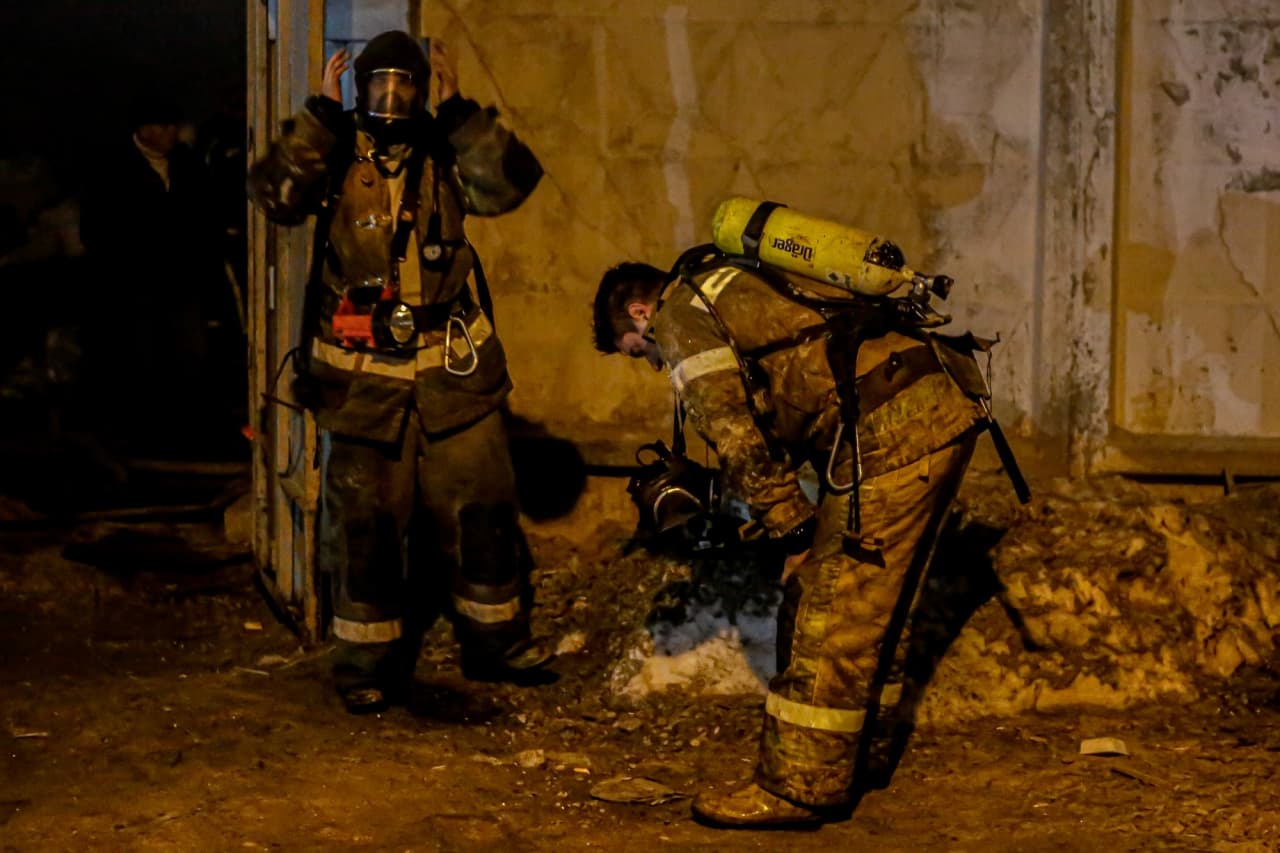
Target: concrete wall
(918, 120)
(980, 157)
(1098, 177)
(1198, 301)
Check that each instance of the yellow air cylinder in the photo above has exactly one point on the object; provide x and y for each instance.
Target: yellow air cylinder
(814, 248)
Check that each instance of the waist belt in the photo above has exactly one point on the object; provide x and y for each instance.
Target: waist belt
(429, 317)
(402, 367)
(895, 374)
(425, 317)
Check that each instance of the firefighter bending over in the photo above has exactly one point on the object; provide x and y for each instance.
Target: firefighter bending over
(768, 380)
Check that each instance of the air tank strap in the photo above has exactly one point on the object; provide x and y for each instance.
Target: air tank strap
(482, 287)
(755, 228)
(406, 220)
(407, 216)
(695, 261)
(749, 382)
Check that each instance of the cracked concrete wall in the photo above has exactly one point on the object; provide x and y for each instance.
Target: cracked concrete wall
(980, 155)
(918, 120)
(980, 137)
(1198, 295)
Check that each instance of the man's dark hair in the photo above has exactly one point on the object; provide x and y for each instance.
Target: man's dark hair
(621, 286)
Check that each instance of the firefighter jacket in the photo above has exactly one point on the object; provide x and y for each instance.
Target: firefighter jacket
(324, 163)
(785, 410)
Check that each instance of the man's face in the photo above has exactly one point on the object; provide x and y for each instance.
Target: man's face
(159, 137)
(636, 345)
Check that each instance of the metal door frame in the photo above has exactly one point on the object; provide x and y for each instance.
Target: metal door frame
(285, 63)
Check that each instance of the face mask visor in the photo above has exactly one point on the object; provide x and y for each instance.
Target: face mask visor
(391, 94)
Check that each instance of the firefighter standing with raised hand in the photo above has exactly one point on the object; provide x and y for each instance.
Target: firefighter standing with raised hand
(772, 380)
(402, 367)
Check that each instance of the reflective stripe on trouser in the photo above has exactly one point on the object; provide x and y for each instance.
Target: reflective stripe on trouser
(842, 604)
(488, 614)
(490, 590)
(370, 651)
(356, 631)
(490, 621)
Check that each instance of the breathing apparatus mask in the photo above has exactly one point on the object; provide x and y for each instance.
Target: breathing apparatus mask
(391, 83)
(391, 106)
(678, 498)
(391, 94)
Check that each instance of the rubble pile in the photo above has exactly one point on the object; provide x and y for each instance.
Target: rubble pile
(711, 630)
(1109, 596)
(655, 622)
(1099, 593)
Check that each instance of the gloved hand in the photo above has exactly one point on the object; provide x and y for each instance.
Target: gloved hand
(797, 543)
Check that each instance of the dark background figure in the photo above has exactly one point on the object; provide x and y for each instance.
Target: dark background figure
(102, 55)
(150, 226)
(138, 319)
(44, 457)
(221, 145)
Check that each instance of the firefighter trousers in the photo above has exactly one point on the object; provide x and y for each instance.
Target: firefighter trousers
(410, 530)
(834, 616)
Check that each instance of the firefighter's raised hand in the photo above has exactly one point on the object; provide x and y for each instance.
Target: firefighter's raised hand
(444, 68)
(331, 85)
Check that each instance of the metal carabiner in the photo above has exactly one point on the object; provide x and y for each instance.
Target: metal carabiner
(456, 319)
(845, 488)
(854, 486)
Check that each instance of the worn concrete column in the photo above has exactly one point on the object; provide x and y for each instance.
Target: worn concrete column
(1074, 305)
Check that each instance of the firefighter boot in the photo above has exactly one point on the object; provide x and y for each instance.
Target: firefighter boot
(753, 806)
(523, 664)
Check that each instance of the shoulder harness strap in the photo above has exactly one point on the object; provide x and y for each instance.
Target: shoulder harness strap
(692, 263)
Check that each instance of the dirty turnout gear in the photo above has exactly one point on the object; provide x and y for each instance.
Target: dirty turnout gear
(464, 531)
(915, 433)
(418, 505)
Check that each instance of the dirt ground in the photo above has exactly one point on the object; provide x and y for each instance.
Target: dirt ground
(150, 700)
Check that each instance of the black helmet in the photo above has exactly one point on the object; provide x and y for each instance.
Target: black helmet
(391, 77)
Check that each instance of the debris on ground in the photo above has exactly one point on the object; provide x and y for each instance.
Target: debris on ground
(635, 789)
(1099, 593)
(1103, 746)
(136, 714)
